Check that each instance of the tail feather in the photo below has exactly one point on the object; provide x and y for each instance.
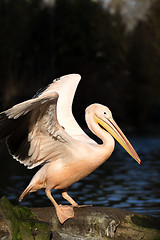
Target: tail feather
(27, 191)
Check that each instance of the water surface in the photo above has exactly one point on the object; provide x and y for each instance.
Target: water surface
(119, 183)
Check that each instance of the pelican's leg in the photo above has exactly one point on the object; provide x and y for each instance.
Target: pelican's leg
(63, 212)
(71, 201)
(68, 198)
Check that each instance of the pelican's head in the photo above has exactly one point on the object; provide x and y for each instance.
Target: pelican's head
(103, 117)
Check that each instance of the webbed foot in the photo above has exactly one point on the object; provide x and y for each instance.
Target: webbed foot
(64, 212)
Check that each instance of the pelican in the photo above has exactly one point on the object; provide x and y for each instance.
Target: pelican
(43, 131)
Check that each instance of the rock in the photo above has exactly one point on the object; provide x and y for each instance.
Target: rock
(90, 223)
(21, 223)
(94, 223)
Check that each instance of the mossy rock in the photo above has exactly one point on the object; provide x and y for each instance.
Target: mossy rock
(136, 226)
(146, 222)
(23, 223)
(90, 223)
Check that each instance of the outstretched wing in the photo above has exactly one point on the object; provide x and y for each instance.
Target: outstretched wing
(66, 87)
(32, 131)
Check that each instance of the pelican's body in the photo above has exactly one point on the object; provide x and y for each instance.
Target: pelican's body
(43, 131)
(60, 174)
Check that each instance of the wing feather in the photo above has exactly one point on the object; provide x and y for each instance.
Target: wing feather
(41, 128)
(66, 87)
(32, 131)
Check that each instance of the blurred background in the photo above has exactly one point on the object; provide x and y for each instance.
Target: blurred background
(115, 46)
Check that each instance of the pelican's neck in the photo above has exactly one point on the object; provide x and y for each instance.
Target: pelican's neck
(108, 142)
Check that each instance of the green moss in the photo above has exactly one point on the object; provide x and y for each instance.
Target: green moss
(23, 223)
(146, 222)
(24, 212)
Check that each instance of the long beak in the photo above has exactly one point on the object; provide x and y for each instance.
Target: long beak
(110, 125)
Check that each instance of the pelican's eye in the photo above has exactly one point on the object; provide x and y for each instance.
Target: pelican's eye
(105, 114)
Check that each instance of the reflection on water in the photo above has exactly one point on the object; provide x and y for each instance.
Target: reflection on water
(120, 182)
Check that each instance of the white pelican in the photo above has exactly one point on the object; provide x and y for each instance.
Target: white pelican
(43, 131)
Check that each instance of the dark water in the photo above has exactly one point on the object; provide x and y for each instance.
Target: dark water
(119, 182)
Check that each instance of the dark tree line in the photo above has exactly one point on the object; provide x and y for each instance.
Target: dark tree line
(119, 69)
